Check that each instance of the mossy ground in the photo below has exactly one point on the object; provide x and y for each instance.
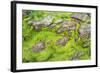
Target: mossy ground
(51, 52)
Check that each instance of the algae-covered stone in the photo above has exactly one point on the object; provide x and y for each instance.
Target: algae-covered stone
(47, 21)
(38, 25)
(85, 30)
(62, 41)
(67, 25)
(77, 55)
(80, 16)
(39, 46)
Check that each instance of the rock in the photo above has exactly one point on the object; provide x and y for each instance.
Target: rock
(67, 25)
(39, 24)
(38, 47)
(71, 25)
(85, 30)
(77, 55)
(47, 21)
(62, 41)
(59, 21)
(61, 29)
(80, 16)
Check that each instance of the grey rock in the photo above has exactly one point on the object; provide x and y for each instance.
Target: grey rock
(42, 23)
(61, 29)
(77, 55)
(47, 21)
(59, 21)
(67, 25)
(80, 16)
(85, 30)
(62, 41)
(38, 47)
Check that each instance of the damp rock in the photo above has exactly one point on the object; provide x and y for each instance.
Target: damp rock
(59, 21)
(80, 16)
(62, 41)
(38, 47)
(36, 24)
(42, 23)
(61, 29)
(47, 21)
(86, 43)
(77, 55)
(72, 25)
(67, 25)
(85, 30)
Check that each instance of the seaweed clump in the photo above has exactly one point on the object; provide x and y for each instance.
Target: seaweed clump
(55, 36)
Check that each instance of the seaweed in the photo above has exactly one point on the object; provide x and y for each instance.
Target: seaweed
(41, 41)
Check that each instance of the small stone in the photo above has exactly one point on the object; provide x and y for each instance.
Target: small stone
(62, 41)
(38, 47)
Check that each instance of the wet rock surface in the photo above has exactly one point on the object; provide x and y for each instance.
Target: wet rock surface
(85, 30)
(77, 55)
(39, 46)
(80, 16)
(67, 25)
(38, 25)
(62, 41)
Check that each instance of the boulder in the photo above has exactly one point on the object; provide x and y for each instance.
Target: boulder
(80, 16)
(62, 41)
(85, 30)
(38, 47)
(42, 23)
(67, 25)
(47, 21)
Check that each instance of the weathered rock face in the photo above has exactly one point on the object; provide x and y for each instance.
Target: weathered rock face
(47, 21)
(85, 30)
(67, 25)
(38, 47)
(77, 55)
(80, 16)
(42, 23)
(62, 41)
